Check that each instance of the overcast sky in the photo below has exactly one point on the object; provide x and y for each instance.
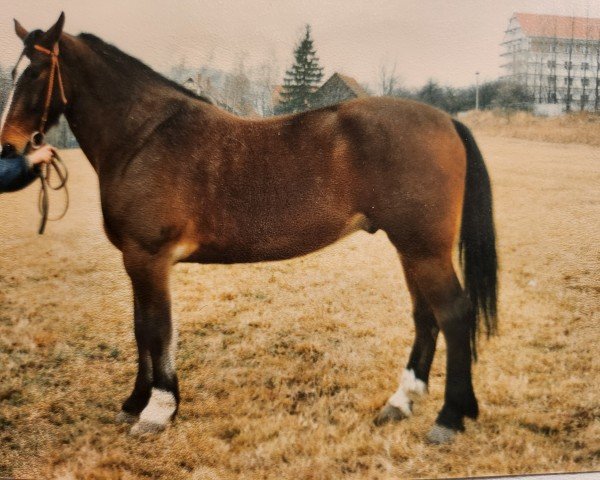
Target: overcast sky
(445, 40)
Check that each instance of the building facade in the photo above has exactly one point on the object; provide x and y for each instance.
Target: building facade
(556, 58)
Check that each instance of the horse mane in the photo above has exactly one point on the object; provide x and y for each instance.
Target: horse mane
(119, 58)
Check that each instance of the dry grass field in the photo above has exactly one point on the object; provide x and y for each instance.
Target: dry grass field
(284, 365)
(578, 127)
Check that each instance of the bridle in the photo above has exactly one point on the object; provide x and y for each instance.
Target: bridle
(37, 140)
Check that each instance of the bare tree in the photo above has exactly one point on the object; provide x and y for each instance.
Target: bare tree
(583, 99)
(569, 66)
(539, 75)
(597, 89)
(552, 80)
(263, 85)
(237, 92)
(5, 86)
(388, 80)
(262, 88)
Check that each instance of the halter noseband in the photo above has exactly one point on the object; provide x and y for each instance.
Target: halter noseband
(37, 138)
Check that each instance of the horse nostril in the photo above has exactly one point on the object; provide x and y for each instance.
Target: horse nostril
(7, 150)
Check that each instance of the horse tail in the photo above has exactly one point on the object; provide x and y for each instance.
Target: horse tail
(477, 245)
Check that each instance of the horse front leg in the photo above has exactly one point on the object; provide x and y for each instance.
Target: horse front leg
(139, 398)
(156, 394)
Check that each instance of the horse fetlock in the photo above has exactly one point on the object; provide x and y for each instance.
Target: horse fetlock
(402, 401)
(158, 413)
(410, 387)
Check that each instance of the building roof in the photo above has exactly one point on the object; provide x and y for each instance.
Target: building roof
(580, 28)
(352, 84)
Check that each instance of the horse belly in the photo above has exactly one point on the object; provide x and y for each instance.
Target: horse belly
(279, 245)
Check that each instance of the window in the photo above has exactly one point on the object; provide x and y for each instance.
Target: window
(585, 82)
(551, 63)
(551, 79)
(568, 65)
(585, 66)
(568, 81)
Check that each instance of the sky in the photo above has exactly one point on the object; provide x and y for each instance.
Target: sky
(444, 40)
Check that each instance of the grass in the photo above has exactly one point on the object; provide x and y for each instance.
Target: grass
(581, 128)
(284, 365)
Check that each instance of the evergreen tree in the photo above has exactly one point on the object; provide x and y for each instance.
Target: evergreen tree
(302, 78)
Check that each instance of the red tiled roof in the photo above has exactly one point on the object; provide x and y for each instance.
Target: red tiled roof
(580, 28)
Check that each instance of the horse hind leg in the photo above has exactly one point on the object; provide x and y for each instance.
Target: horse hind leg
(415, 377)
(437, 281)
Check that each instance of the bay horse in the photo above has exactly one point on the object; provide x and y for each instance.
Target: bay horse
(182, 180)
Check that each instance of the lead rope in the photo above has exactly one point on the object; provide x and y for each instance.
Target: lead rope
(45, 173)
(56, 164)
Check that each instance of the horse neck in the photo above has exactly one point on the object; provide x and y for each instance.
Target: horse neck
(108, 109)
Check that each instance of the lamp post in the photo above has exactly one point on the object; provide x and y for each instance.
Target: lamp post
(476, 90)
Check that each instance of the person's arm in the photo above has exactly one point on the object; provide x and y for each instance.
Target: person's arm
(17, 172)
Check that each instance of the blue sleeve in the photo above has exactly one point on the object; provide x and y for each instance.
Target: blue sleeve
(15, 174)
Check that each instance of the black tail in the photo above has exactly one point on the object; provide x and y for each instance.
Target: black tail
(478, 239)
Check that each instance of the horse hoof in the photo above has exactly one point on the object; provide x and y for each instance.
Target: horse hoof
(124, 417)
(440, 435)
(389, 413)
(144, 427)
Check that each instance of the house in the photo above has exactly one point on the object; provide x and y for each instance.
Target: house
(557, 58)
(336, 89)
(192, 85)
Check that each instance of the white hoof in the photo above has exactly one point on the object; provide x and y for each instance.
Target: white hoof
(389, 413)
(124, 417)
(409, 385)
(144, 427)
(440, 435)
(157, 414)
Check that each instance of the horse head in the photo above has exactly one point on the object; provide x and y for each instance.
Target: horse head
(37, 97)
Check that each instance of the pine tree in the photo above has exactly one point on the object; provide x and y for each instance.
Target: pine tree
(302, 78)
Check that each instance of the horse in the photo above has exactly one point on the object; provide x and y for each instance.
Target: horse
(182, 180)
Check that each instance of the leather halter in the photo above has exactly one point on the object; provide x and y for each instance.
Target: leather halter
(54, 72)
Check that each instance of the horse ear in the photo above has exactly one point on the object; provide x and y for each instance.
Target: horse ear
(20, 31)
(55, 31)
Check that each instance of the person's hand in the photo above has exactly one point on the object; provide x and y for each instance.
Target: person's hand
(43, 154)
